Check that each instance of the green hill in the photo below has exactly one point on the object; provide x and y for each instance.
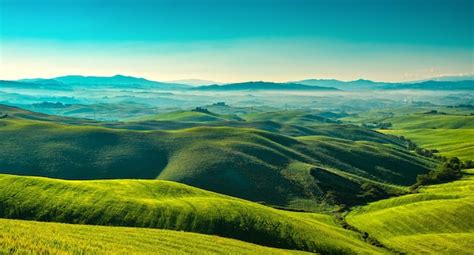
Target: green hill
(58, 238)
(444, 129)
(295, 117)
(191, 116)
(449, 142)
(169, 205)
(246, 163)
(438, 219)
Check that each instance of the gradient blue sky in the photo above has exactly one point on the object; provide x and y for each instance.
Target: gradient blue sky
(230, 40)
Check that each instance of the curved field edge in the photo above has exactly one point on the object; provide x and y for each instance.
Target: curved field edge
(438, 219)
(169, 205)
(59, 238)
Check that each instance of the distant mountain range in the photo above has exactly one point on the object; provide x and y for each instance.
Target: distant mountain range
(261, 85)
(116, 80)
(121, 81)
(196, 82)
(342, 85)
(372, 85)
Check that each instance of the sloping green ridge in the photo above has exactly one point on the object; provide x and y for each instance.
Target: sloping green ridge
(169, 205)
(438, 219)
(59, 238)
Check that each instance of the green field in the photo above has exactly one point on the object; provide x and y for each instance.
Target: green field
(438, 219)
(169, 205)
(449, 142)
(32, 237)
(448, 130)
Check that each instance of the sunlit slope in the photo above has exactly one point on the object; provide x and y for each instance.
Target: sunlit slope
(439, 219)
(449, 142)
(169, 205)
(416, 118)
(448, 130)
(57, 238)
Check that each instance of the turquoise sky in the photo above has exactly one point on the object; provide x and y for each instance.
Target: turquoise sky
(229, 40)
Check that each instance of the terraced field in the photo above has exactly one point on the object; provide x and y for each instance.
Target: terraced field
(169, 205)
(56, 238)
(438, 219)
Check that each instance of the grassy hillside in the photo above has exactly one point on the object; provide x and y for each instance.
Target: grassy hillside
(169, 205)
(417, 118)
(435, 127)
(288, 117)
(241, 162)
(57, 238)
(438, 219)
(449, 142)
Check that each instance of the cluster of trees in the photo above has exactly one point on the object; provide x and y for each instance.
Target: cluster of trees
(450, 170)
(201, 109)
(370, 192)
(3, 115)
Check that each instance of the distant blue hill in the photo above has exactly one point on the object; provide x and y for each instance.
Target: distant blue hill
(360, 84)
(374, 85)
(70, 81)
(117, 80)
(434, 85)
(261, 85)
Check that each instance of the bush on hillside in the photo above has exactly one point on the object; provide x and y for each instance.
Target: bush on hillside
(448, 171)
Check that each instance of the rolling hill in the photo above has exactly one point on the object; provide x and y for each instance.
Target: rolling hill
(437, 220)
(247, 163)
(169, 205)
(446, 130)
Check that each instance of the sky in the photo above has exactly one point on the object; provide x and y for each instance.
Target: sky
(231, 40)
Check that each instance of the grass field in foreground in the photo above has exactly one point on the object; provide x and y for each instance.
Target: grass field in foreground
(438, 219)
(30, 237)
(449, 142)
(169, 205)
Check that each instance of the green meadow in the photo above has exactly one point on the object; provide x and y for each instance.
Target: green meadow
(437, 219)
(174, 206)
(33, 237)
(449, 142)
